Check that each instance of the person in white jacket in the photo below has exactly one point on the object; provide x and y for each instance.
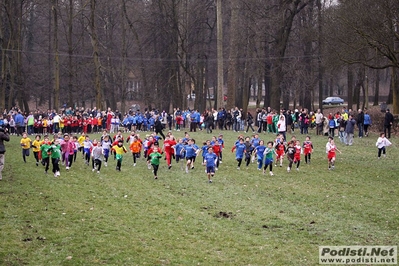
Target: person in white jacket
(282, 126)
(381, 143)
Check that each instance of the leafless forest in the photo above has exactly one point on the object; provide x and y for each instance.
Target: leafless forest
(104, 53)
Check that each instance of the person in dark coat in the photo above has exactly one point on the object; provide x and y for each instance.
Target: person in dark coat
(4, 136)
(158, 127)
(360, 122)
(388, 122)
(350, 130)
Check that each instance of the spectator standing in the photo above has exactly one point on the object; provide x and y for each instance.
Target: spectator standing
(319, 122)
(367, 123)
(388, 122)
(360, 122)
(349, 130)
(4, 136)
(19, 123)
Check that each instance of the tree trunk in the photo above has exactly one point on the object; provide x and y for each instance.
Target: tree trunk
(220, 65)
(56, 57)
(96, 58)
(377, 88)
(123, 63)
(4, 68)
(70, 54)
(279, 48)
(350, 87)
(395, 90)
(320, 74)
(145, 89)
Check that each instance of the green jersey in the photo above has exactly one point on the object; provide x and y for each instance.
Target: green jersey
(155, 156)
(55, 151)
(269, 153)
(45, 149)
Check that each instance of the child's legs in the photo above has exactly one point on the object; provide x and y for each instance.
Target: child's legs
(260, 163)
(291, 162)
(119, 163)
(247, 160)
(239, 160)
(56, 165)
(98, 164)
(155, 167)
(134, 157)
(298, 163)
(25, 153)
(168, 158)
(36, 154)
(379, 152)
(70, 159)
(46, 163)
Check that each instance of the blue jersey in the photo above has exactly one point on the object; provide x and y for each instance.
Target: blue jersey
(259, 151)
(179, 147)
(190, 151)
(204, 150)
(240, 148)
(210, 159)
(221, 142)
(255, 142)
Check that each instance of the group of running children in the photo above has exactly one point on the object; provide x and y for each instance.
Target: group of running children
(65, 148)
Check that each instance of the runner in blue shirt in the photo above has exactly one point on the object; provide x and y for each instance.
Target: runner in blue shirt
(179, 152)
(259, 150)
(210, 162)
(190, 150)
(240, 150)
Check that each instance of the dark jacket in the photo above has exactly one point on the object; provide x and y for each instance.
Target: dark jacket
(360, 118)
(4, 136)
(158, 125)
(388, 119)
(350, 126)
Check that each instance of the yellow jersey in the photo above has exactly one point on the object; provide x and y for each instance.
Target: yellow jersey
(25, 143)
(81, 139)
(119, 150)
(36, 145)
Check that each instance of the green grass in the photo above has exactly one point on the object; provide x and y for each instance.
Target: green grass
(243, 218)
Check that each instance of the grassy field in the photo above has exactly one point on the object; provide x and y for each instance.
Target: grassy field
(242, 218)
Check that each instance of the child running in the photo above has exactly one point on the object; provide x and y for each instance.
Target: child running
(240, 150)
(154, 159)
(36, 149)
(249, 148)
(307, 149)
(67, 151)
(297, 156)
(25, 144)
(55, 157)
(119, 150)
(178, 151)
(259, 151)
(135, 148)
(330, 150)
(280, 149)
(168, 149)
(269, 152)
(87, 146)
(190, 151)
(290, 151)
(210, 163)
(45, 150)
(96, 154)
(382, 143)
(106, 145)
